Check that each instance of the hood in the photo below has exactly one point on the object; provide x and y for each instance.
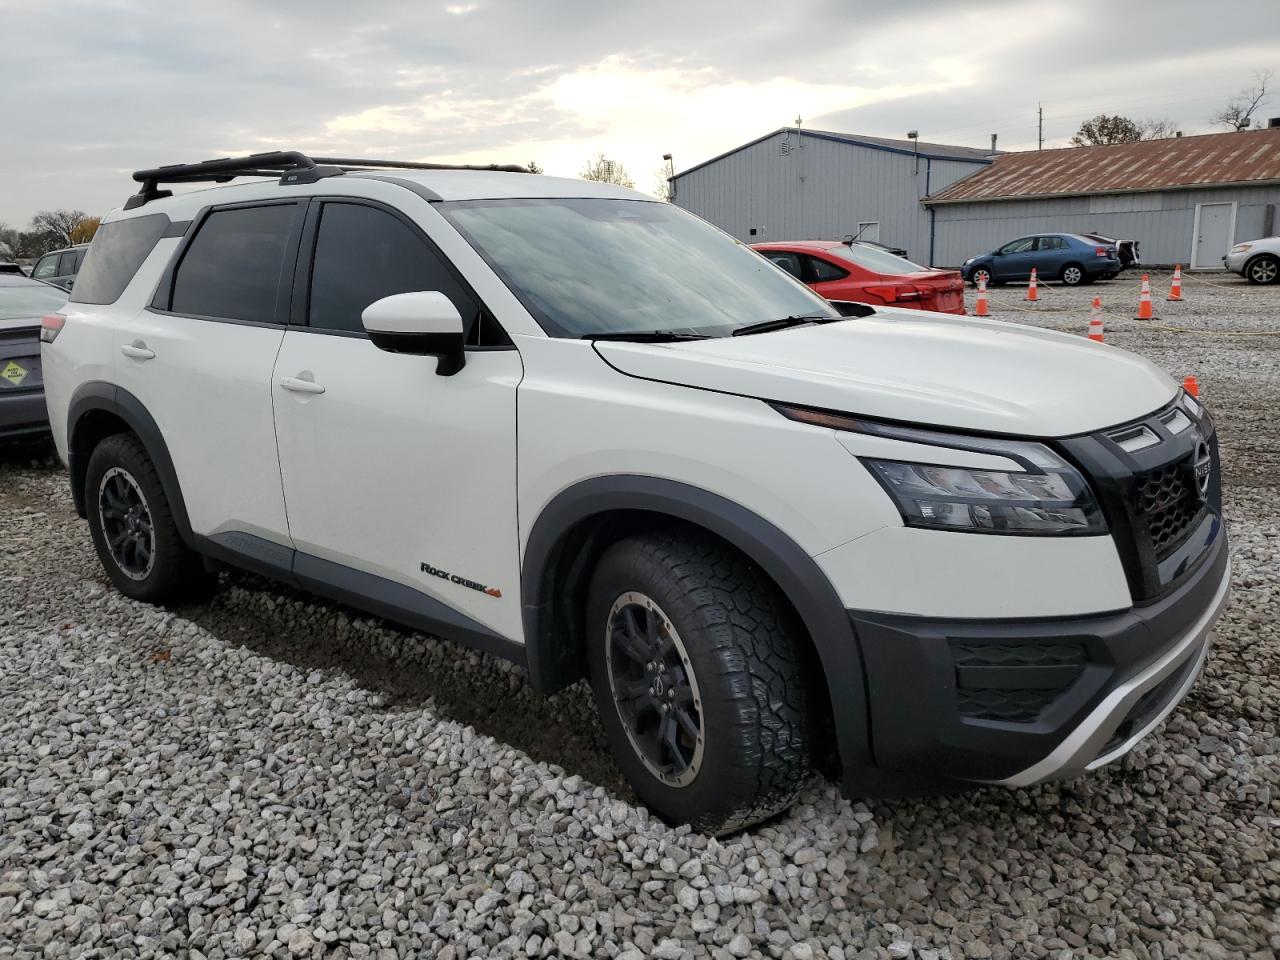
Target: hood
(905, 365)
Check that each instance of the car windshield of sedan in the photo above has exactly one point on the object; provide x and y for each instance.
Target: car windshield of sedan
(875, 260)
(29, 299)
(602, 266)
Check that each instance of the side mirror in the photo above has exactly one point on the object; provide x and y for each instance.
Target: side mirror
(425, 323)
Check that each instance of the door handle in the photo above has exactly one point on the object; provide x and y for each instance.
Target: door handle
(296, 385)
(138, 351)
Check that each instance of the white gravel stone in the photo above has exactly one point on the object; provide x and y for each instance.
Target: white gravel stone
(266, 775)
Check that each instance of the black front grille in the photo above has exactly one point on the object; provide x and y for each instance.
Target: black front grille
(1013, 681)
(1169, 504)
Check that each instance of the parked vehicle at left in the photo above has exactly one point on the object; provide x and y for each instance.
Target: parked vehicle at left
(9, 267)
(60, 267)
(22, 303)
(1068, 257)
(852, 273)
(1258, 261)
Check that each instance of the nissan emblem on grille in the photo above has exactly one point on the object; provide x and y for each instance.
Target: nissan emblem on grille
(1202, 465)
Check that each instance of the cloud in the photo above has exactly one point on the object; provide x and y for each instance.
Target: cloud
(97, 88)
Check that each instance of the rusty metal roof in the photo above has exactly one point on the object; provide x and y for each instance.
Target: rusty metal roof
(1174, 163)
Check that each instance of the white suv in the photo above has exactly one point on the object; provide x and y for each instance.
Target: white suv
(575, 427)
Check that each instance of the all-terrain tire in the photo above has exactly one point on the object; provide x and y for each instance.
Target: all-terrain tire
(753, 669)
(175, 572)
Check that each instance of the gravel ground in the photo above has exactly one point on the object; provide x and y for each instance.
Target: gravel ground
(265, 775)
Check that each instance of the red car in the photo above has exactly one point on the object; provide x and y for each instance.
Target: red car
(846, 272)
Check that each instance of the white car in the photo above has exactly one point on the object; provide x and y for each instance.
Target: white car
(1258, 261)
(569, 425)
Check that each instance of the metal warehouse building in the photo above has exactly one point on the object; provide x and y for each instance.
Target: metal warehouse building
(795, 184)
(1185, 199)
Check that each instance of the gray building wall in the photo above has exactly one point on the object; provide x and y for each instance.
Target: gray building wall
(819, 190)
(1163, 222)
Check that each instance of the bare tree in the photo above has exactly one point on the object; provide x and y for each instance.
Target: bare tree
(1157, 129)
(535, 167)
(1239, 111)
(58, 223)
(604, 170)
(661, 185)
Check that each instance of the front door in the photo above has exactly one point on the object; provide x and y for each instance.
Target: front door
(1013, 260)
(1213, 235)
(390, 469)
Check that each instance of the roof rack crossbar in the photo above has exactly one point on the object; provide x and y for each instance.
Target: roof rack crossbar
(289, 165)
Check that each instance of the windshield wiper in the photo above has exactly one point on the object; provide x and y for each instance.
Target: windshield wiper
(644, 336)
(765, 326)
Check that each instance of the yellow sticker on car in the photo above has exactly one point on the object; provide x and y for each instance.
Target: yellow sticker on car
(14, 372)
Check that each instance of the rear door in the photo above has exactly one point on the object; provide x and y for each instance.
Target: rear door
(200, 359)
(1052, 254)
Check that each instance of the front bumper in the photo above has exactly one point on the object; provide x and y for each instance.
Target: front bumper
(1235, 261)
(1021, 701)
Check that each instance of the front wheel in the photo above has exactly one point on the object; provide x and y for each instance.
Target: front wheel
(702, 682)
(1072, 275)
(1264, 269)
(980, 274)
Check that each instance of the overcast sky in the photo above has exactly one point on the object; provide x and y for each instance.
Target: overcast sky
(96, 89)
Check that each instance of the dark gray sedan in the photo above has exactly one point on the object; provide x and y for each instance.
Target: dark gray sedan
(22, 303)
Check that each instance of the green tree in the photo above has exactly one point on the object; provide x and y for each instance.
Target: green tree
(1104, 129)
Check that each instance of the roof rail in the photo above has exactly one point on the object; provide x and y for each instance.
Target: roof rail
(290, 166)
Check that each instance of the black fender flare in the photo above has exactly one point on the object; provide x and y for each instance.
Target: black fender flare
(791, 568)
(110, 398)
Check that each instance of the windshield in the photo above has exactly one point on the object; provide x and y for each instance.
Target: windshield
(593, 266)
(29, 299)
(875, 259)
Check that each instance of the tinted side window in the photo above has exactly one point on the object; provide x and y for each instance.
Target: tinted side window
(1052, 243)
(1019, 246)
(364, 254)
(67, 265)
(787, 261)
(117, 251)
(823, 270)
(47, 267)
(232, 268)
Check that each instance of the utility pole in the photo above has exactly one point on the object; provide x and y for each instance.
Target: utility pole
(1040, 111)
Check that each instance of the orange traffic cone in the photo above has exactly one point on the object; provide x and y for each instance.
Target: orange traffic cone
(1191, 385)
(1144, 300)
(1031, 287)
(980, 308)
(1175, 289)
(1095, 321)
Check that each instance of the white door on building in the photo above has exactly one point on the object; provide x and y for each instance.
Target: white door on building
(1212, 240)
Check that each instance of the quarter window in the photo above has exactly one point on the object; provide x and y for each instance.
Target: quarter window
(117, 251)
(823, 270)
(232, 269)
(363, 254)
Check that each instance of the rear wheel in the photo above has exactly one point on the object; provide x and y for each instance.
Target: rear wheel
(702, 681)
(1263, 269)
(1072, 275)
(133, 528)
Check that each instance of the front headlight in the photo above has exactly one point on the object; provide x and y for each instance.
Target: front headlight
(1047, 497)
(1242, 248)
